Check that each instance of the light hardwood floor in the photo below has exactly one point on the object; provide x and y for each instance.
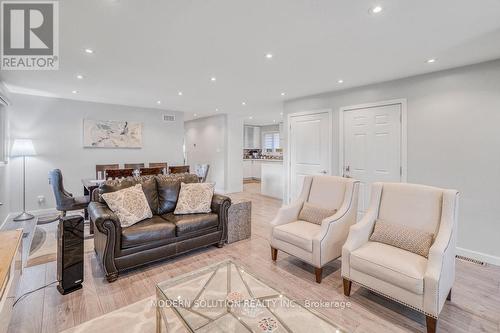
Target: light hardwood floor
(475, 306)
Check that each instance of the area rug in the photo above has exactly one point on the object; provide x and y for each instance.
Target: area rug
(139, 317)
(44, 244)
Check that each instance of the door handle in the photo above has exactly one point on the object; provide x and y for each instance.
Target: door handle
(324, 172)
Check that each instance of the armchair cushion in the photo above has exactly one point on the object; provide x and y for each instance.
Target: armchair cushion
(327, 192)
(315, 214)
(147, 231)
(403, 237)
(299, 233)
(416, 206)
(391, 264)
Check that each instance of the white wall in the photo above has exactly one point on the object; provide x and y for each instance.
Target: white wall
(56, 127)
(234, 154)
(205, 140)
(453, 141)
(4, 170)
(218, 141)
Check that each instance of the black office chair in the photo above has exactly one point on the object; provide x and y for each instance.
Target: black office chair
(64, 200)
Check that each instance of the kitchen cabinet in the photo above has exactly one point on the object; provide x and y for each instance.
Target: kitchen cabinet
(252, 169)
(256, 169)
(251, 137)
(247, 169)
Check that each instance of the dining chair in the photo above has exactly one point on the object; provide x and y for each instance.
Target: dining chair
(119, 173)
(202, 171)
(65, 201)
(151, 171)
(134, 166)
(100, 169)
(178, 169)
(162, 165)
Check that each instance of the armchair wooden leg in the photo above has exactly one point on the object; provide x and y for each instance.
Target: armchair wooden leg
(347, 287)
(449, 296)
(274, 253)
(319, 274)
(431, 323)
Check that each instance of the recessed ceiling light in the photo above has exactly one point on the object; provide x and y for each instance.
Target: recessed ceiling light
(179, 93)
(74, 92)
(250, 117)
(340, 81)
(195, 115)
(243, 103)
(89, 51)
(274, 120)
(283, 94)
(269, 55)
(216, 110)
(158, 102)
(432, 60)
(281, 113)
(213, 79)
(79, 76)
(376, 9)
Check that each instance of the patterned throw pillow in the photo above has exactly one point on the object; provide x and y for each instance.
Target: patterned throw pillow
(315, 214)
(194, 198)
(403, 237)
(129, 204)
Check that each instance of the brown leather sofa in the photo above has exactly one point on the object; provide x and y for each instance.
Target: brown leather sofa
(162, 236)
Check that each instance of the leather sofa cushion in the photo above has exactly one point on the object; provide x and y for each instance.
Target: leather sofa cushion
(391, 264)
(147, 231)
(300, 234)
(148, 186)
(191, 223)
(168, 187)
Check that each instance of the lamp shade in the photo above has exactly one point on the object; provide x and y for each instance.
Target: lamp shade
(23, 147)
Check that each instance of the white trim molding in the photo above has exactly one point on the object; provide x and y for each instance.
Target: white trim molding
(487, 258)
(404, 132)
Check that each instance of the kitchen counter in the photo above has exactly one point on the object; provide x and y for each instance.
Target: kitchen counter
(262, 159)
(272, 179)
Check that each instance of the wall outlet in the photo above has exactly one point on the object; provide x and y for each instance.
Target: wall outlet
(41, 199)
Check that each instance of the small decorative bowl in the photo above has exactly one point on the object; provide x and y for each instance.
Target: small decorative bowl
(235, 297)
(268, 324)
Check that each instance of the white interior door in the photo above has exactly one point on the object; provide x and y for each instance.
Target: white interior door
(310, 148)
(372, 147)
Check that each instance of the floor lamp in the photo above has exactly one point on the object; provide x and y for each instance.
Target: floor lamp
(23, 147)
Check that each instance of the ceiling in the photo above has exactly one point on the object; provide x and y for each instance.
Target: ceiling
(148, 51)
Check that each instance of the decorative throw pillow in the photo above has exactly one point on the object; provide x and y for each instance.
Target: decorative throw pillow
(129, 204)
(194, 198)
(403, 237)
(315, 214)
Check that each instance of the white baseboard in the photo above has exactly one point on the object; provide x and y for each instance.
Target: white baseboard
(488, 258)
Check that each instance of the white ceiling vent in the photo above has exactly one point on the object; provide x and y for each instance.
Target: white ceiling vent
(168, 117)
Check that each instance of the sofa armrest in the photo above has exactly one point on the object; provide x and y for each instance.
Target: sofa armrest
(99, 213)
(220, 205)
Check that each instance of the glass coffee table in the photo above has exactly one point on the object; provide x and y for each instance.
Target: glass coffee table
(226, 298)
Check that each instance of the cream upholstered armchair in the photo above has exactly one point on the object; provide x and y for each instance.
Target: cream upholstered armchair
(421, 283)
(316, 244)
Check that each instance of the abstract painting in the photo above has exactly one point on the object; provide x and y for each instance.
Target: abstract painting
(112, 134)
